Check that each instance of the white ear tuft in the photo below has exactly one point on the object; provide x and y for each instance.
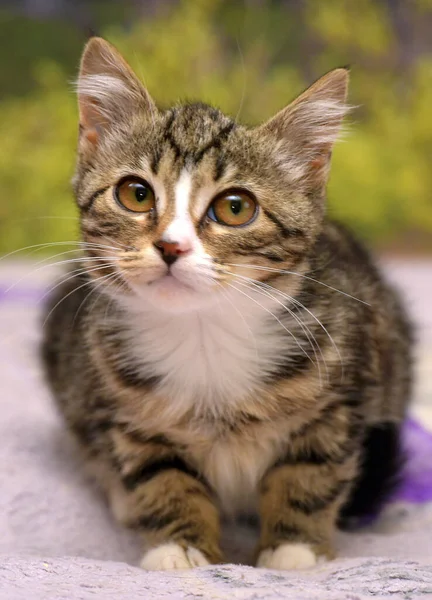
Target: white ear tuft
(111, 95)
(322, 120)
(108, 90)
(308, 127)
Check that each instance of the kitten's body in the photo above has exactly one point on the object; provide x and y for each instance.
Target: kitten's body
(192, 400)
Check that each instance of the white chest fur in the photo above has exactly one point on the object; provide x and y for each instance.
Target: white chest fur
(234, 469)
(207, 360)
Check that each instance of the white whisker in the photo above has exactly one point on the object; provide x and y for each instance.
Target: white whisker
(64, 278)
(273, 315)
(122, 285)
(72, 291)
(38, 246)
(109, 280)
(119, 244)
(81, 259)
(298, 303)
(241, 316)
(287, 272)
(309, 335)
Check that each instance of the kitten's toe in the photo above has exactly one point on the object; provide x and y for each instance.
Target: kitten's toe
(196, 557)
(172, 556)
(288, 556)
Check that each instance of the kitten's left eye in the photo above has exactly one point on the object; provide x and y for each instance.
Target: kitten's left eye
(135, 194)
(234, 208)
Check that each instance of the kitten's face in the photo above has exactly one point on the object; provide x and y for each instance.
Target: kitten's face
(186, 201)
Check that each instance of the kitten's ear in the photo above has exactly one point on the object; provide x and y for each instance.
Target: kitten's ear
(108, 91)
(310, 125)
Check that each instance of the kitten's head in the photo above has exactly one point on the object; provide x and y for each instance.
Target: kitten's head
(174, 202)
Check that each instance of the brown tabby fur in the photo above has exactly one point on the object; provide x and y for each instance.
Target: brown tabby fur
(293, 444)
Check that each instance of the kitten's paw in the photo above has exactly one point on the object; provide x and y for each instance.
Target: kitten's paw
(172, 556)
(288, 556)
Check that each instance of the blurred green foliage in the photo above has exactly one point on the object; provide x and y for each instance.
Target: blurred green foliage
(250, 60)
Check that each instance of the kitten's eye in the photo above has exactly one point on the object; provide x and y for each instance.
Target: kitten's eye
(135, 195)
(233, 208)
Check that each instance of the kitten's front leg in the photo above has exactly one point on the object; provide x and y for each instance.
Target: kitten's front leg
(299, 505)
(161, 496)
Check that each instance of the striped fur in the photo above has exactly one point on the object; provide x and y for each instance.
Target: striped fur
(259, 371)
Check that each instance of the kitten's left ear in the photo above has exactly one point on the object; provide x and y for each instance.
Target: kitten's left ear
(310, 125)
(108, 92)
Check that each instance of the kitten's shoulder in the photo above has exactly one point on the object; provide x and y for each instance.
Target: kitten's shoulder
(338, 248)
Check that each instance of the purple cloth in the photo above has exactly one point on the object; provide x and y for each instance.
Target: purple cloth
(416, 483)
(20, 294)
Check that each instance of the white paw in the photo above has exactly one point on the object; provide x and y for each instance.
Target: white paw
(172, 556)
(287, 556)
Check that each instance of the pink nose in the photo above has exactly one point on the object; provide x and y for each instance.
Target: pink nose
(170, 251)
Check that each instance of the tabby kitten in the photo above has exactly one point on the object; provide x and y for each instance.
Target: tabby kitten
(225, 348)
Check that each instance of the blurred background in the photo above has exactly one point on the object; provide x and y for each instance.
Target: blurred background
(248, 57)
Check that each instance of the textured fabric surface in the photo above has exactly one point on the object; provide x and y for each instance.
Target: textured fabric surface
(80, 579)
(57, 539)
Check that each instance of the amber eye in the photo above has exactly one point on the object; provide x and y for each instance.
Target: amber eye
(233, 208)
(135, 195)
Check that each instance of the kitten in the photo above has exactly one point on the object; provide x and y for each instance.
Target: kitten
(225, 348)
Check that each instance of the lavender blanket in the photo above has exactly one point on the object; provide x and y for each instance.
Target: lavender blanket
(57, 539)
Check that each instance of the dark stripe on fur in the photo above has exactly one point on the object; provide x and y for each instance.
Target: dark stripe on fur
(220, 167)
(130, 377)
(89, 203)
(314, 503)
(263, 254)
(155, 521)
(285, 231)
(215, 142)
(311, 456)
(287, 531)
(169, 138)
(296, 361)
(155, 160)
(293, 365)
(148, 471)
(91, 431)
(102, 228)
(270, 256)
(246, 247)
(142, 438)
(185, 531)
(242, 420)
(325, 418)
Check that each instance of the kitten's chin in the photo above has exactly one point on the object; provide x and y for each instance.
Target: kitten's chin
(171, 295)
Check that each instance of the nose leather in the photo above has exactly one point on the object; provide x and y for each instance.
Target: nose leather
(169, 258)
(170, 251)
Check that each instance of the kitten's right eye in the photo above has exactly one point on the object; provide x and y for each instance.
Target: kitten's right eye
(135, 195)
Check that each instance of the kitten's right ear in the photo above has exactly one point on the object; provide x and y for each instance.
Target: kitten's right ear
(108, 92)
